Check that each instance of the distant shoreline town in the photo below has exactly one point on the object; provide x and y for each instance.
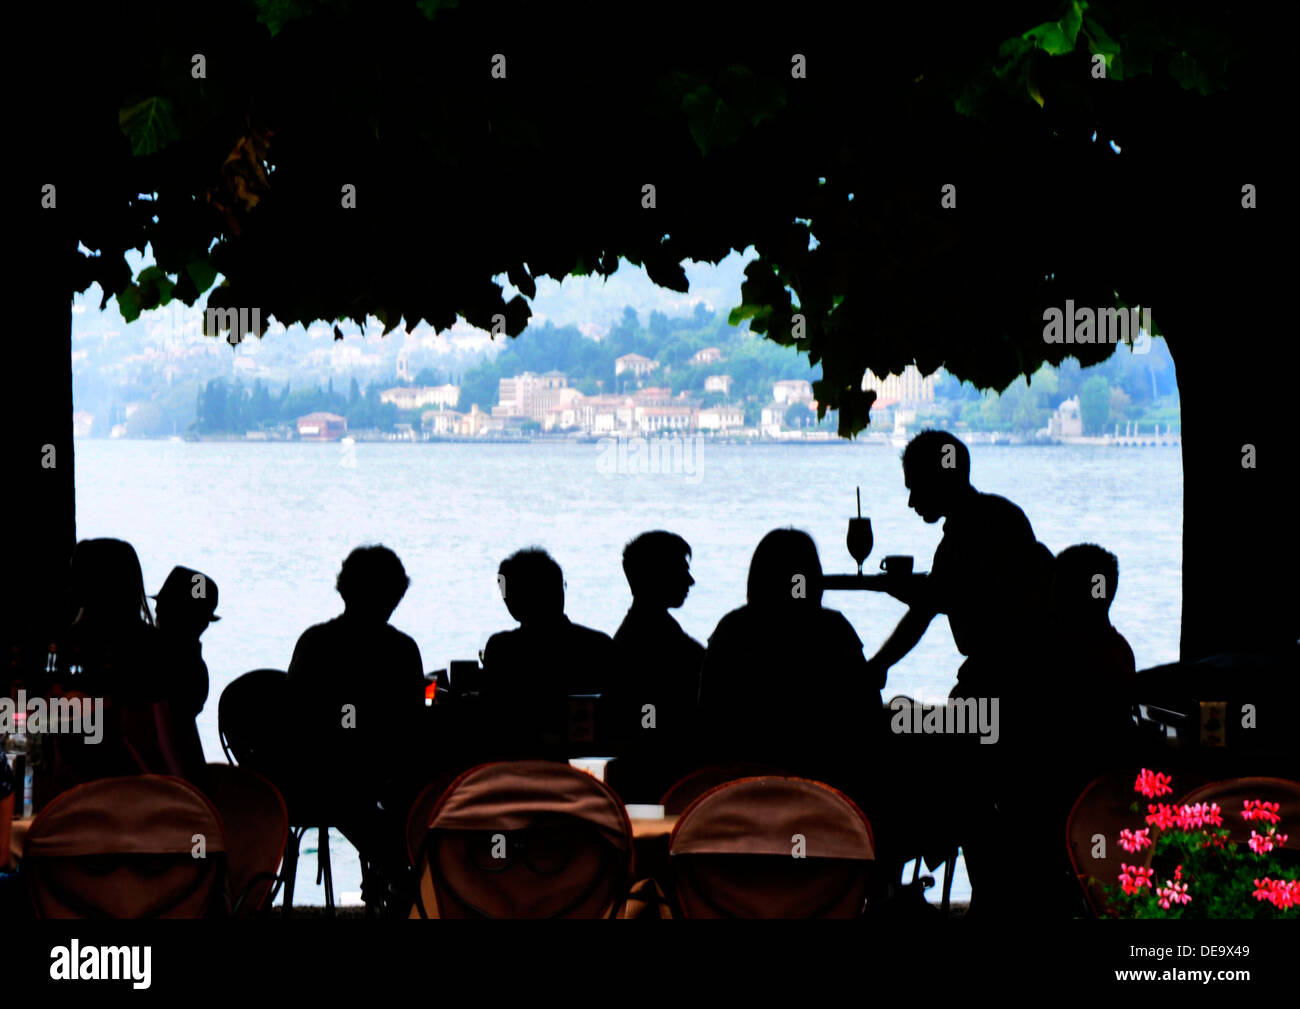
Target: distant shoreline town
(545, 407)
(694, 377)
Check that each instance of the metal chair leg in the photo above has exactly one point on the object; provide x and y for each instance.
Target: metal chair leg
(323, 867)
(950, 867)
(291, 868)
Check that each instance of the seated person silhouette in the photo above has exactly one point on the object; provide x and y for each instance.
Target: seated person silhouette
(112, 652)
(648, 713)
(1094, 665)
(356, 688)
(530, 672)
(183, 608)
(784, 680)
(111, 648)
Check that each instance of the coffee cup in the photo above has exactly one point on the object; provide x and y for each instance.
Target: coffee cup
(896, 565)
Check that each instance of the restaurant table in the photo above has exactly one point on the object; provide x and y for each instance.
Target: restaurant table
(16, 839)
(650, 843)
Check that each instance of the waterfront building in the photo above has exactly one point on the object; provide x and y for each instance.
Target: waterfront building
(650, 419)
(909, 389)
(442, 421)
(1067, 421)
(322, 427)
(721, 418)
(531, 395)
(635, 363)
(418, 397)
(795, 390)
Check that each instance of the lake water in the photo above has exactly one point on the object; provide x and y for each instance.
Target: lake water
(271, 523)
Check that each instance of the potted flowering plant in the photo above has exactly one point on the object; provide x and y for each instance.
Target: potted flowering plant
(1192, 867)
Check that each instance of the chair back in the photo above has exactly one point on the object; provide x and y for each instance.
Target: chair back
(521, 839)
(257, 829)
(138, 737)
(772, 847)
(251, 718)
(695, 784)
(1231, 795)
(1102, 808)
(145, 846)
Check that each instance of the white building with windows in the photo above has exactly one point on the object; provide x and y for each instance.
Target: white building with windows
(418, 397)
(635, 363)
(794, 390)
(721, 418)
(908, 389)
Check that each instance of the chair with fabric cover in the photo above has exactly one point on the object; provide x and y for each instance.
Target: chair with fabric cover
(257, 829)
(695, 784)
(520, 839)
(1105, 807)
(126, 848)
(772, 847)
(1231, 795)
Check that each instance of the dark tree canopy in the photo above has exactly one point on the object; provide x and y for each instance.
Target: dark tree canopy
(460, 176)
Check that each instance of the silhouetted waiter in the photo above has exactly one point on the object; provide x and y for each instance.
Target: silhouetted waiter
(990, 576)
(649, 714)
(529, 673)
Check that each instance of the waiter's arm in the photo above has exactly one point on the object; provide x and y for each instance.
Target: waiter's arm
(908, 632)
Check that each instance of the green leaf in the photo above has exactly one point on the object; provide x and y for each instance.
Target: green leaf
(1189, 73)
(1057, 38)
(712, 122)
(1099, 40)
(202, 273)
(128, 303)
(275, 14)
(740, 313)
(150, 125)
(429, 8)
(154, 288)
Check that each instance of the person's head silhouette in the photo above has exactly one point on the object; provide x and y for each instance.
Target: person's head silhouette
(532, 586)
(1084, 579)
(187, 603)
(936, 470)
(658, 569)
(372, 582)
(785, 572)
(106, 585)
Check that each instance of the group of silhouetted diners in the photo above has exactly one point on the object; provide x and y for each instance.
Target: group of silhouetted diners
(782, 682)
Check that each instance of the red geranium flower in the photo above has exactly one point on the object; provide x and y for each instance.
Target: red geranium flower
(1257, 810)
(1153, 784)
(1132, 841)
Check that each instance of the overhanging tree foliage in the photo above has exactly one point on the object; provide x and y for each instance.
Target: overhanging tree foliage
(755, 127)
